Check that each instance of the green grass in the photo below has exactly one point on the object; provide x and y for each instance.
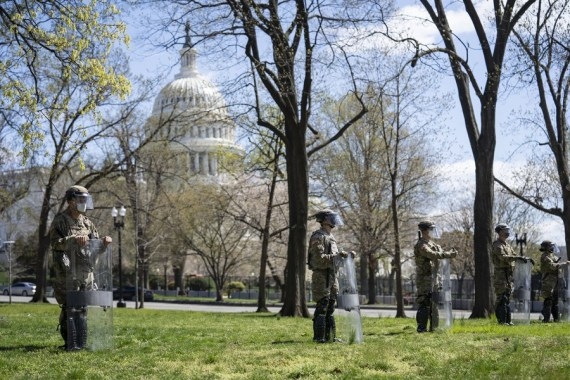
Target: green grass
(156, 344)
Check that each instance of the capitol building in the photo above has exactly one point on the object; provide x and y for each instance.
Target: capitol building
(193, 121)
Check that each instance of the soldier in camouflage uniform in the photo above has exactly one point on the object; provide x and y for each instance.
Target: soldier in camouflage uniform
(427, 255)
(504, 258)
(322, 252)
(549, 267)
(69, 235)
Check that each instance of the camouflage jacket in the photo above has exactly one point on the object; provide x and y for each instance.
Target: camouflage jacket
(64, 229)
(322, 250)
(549, 267)
(427, 255)
(504, 257)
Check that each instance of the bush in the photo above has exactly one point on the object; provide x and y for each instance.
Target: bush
(235, 286)
(198, 283)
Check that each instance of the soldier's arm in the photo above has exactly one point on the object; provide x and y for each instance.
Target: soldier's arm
(59, 236)
(434, 254)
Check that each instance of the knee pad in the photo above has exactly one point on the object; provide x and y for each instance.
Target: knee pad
(321, 308)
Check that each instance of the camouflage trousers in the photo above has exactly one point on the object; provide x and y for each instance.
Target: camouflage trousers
(324, 284)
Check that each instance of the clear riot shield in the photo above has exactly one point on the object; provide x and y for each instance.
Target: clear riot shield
(349, 326)
(90, 297)
(520, 303)
(564, 294)
(445, 307)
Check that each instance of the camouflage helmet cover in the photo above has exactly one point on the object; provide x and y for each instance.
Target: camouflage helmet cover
(426, 225)
(547, 245)
(501, 226)
(75, 191)
(329, 216)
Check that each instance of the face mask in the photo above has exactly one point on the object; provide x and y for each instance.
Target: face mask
(81, 207)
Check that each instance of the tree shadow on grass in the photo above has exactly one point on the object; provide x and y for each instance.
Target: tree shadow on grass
(26, 348)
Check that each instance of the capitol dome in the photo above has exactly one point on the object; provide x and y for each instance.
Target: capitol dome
(196, 117)
(190, 90)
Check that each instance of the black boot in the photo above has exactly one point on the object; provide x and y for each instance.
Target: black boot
(330, 331)
(546, 306)
(433, 318)
(555, 313)
(319, 327)
(81, 328)
(422, 316)
(508, 316)
(71, 341)
(501, 314)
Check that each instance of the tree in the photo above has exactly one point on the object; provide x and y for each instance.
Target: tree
(212, 234)
(70, 132)
(481, 130)
(266, 214)
(381, 175)
(76, 36)
(280, 40)
(543, 60)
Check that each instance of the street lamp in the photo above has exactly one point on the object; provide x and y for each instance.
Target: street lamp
(521, 241)
(119, 225)
(10, 244)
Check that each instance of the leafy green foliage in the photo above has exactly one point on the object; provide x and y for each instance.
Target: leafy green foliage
(155, 344)
(47, 39)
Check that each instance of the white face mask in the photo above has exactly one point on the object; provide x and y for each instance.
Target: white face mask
(81, 207)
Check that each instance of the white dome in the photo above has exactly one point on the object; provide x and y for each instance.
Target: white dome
(190, 91)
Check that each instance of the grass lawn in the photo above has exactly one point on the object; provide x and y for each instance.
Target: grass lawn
(157, 344)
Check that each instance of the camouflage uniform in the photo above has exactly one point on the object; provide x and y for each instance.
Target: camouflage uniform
(322, 252)
(504, 257)
(549, 267)
(68, 254)
(427, 255)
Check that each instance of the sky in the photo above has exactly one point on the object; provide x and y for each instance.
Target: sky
(458, 166)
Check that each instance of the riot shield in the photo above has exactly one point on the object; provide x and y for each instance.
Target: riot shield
(89, 311)
(443, 295)
(349, 326)
(520, 303)
(564, 294)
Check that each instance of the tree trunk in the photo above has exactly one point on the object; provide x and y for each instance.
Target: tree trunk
(262, 296)
(483, 232)
(295, 304)
(400, 313)
(364, 283)
(44, 243)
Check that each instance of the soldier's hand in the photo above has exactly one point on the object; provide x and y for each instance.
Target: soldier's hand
(353, 254)
(82, 240)
(107, 240)
(453, 253)
(343, 254)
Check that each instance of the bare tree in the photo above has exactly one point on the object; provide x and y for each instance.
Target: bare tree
(385, 165)
(261, 203)
(205, 226)
(543, 60)
(283, 41)
(480, 130)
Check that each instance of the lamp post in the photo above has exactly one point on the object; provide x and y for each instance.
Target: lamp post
(119, 225)
(521, 241)
(165, 279)
(10, 244)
